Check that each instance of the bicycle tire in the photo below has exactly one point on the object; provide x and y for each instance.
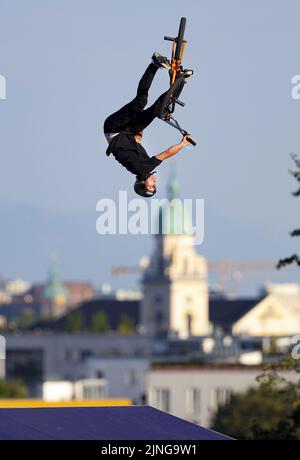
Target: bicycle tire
(179, 39)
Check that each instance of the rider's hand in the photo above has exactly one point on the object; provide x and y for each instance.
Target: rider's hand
(185, 140)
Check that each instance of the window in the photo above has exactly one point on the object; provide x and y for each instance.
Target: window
(25, 364)
(68, 355)
(189, 322)
(93, 392)
(90, 389)
(158, 298)
(192, 401)
(223, 395)
(100, 375)
(131, 377)
(159, 317)
(161, 399)
(219, 397)
(85, 354)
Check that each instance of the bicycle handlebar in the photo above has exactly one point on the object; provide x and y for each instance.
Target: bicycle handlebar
(191, 141)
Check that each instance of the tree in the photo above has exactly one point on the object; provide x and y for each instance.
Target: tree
(269, 411)
(100, 322)
(12, 389)
(295, 257)
(126, 325)
(74, 322)
(27, 319)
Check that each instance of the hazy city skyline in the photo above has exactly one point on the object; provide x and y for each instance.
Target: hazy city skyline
(68, 65)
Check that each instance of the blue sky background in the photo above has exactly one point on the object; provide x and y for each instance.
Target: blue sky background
(70, 63)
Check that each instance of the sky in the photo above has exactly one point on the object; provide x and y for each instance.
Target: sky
(68, 64)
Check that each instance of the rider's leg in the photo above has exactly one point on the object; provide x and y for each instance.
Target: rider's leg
(143, 119)
(141, 99)
(120, 119)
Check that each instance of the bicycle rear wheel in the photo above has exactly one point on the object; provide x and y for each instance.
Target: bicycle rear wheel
(179, 39)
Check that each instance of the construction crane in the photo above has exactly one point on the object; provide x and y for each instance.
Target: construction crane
(229, 271)
(235, 270)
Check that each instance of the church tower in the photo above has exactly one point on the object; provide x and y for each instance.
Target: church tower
(175, 302)
(55, 295)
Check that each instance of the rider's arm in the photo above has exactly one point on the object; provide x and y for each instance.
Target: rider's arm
(173, 150)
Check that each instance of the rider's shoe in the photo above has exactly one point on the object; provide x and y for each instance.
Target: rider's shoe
(161, 61)
(186, 73)
(183, 73)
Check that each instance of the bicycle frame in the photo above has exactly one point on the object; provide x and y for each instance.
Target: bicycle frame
(176, 64)
(176, 67)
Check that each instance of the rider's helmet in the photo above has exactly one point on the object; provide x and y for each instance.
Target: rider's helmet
(140, 187)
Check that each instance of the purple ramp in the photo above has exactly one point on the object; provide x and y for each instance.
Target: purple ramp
(99, 423)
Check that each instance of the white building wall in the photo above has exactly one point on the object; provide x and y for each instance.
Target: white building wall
(80, 390)
(2, 356)
(171, 389)
(57, 391)
(189, 297)
(125, 377)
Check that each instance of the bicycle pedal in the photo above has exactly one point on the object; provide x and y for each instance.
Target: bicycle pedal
(182, 104)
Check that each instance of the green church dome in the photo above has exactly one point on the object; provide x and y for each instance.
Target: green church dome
(174, 217)
(54, 289)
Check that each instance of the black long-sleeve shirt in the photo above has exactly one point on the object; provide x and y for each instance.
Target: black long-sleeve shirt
(132, 155)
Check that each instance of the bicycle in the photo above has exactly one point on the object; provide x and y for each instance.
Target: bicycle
(177, 81)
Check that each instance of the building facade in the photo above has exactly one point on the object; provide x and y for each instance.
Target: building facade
(194, 392)
(175, 285)
(62, 357)
(125, 376)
